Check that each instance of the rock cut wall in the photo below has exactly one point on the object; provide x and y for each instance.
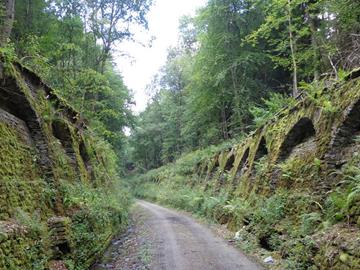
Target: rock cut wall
(308, 151)
(291, 187)
(44, 143)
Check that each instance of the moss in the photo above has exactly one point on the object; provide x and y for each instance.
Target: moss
(32, 177)
(299, 208)
(22, 249)
(17, 158)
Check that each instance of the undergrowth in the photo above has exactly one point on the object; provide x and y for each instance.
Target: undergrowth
(284, 224)
(96, 214)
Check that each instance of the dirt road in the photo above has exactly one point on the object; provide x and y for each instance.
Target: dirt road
(180, 243)
(162, 239)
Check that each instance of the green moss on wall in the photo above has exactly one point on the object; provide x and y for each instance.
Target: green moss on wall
(62, 172)
(290, 203)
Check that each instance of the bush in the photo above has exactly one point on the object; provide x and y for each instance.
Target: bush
(272, 105)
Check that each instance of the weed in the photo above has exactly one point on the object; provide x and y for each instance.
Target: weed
(145, 255)
(273, 105)
(32, 222)
(310, 222)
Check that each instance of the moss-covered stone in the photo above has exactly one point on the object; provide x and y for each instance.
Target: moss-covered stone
(46, 151)
(290, 181)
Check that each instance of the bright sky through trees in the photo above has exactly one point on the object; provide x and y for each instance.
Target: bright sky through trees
(144, 61)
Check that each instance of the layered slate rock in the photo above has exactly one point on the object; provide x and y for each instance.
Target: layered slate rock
(307, 158)
(59, 236)
(44, 145)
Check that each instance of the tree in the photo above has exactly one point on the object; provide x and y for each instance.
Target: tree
(147, 137)
(59, 39)
(110, 21)
(341, 27)
(229, 75)
(292, 45)
(7, 14)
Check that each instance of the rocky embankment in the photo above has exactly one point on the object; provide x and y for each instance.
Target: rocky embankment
(55, 179)
(291, 189)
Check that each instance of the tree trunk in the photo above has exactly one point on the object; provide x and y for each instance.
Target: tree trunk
(237, 97)
(224, 124)
(292, 48)
(7, 20)
(314, 43)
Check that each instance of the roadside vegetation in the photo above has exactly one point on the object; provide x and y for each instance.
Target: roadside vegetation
(66, 214)
(231, 58)
(301, 219)
(238, 67)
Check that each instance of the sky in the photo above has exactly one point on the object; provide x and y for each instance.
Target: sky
(141, 62)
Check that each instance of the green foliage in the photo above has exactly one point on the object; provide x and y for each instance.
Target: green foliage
(274, 104)
(103, 99)
(336, 206)
(7, 56)
(343, 202)
(310, 222)
(39, 252)
(272, 210)
(32, 222)
(315, 93)
(98, 213)
(239, 208)
(353, 194)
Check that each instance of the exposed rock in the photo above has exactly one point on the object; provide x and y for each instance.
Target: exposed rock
(43, 145)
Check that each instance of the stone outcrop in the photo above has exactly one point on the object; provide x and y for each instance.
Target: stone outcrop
(290, 185)
(44, 142)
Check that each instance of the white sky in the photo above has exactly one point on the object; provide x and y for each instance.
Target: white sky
(144, 62)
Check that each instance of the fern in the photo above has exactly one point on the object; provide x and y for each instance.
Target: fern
(272, 105)
(355, 190)
(315, 92)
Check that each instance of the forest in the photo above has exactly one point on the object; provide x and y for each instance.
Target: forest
(247, 125)
(237, 63)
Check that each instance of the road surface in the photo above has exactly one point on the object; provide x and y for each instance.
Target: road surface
(180, 243)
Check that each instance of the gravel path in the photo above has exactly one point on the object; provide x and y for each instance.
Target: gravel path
(183, 244)
(164, 239)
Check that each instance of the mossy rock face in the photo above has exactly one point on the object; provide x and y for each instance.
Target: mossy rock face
(291, 184)
(45, 149)
(339, 248)
(21, 184)
(20, 249)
